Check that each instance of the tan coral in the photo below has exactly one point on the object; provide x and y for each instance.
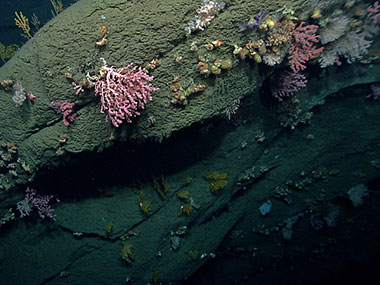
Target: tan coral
(103, 31)
(102, 42)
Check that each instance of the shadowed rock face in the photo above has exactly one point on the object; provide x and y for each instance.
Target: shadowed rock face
(101, 193)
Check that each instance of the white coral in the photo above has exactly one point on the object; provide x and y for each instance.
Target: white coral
(272, 59)
(24, 208)
(352, 46)
(357, 193)
(19, 96)
(334, 29)
(206, 13)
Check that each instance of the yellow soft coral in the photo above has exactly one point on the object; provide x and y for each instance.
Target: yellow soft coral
(7, 51)
(23, 23)
(217, 181)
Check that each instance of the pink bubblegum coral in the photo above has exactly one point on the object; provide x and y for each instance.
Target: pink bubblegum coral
(123, 92)
(302, 46)
(66, 109)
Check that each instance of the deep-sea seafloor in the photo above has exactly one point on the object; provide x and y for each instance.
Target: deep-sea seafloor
(233, 187)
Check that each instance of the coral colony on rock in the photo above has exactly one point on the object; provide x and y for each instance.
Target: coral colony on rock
(164, 140)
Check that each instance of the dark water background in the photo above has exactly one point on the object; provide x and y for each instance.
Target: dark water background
(9, 32)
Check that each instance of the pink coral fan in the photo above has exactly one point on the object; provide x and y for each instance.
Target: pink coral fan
(123, 92)
(302, 46)
(287, 84)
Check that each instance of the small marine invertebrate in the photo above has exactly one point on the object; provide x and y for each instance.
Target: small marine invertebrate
(102, 42)
(180, 94)
(216, 70)
(31, 97)
(63, 138)
(209, 46)
(103, 31)
(272, 59)
(7, 84)
(232, 109)
(153, 64)
(152, 120)
(317, 14)
(200, 88)
(217, 43)
(226, 64)
(194, 47)
(68, 75)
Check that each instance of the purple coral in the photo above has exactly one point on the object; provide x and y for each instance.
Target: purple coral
(287, 84)
(256, 21)
(41, 203)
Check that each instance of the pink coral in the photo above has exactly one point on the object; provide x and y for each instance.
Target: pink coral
(302, 46)
(77, 87)
(66, 109)
(31, 97)
(123, 92)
